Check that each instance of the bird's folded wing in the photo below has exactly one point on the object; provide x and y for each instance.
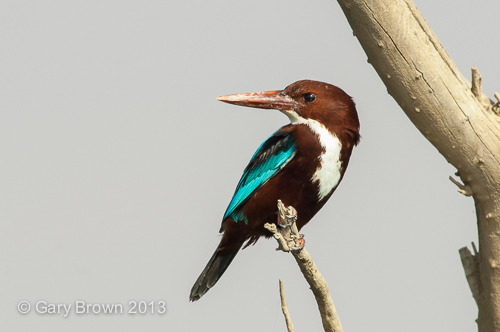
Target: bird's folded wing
(267, 161)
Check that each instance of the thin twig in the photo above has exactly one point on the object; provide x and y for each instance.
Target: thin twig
(284, 308)
(463, 189)
(474, 248)
(496, 107)
(477, 84)
(477, 90)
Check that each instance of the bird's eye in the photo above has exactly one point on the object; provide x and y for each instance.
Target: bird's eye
(309, 97)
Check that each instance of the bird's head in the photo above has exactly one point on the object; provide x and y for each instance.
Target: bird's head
(307, 100)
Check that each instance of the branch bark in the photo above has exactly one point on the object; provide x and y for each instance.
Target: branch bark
(460, 123)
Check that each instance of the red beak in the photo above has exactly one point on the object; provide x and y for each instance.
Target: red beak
(267, 99)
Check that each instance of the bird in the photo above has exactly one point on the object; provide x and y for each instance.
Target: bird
(301, 164)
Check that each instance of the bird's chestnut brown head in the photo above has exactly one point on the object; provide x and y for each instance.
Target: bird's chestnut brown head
(307, 100)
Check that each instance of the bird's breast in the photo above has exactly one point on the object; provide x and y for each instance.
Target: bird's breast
(328, 173)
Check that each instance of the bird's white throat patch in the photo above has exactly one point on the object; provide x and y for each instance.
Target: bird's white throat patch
(328, 172)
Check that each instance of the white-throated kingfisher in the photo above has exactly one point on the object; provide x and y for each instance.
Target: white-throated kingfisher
(301, 164)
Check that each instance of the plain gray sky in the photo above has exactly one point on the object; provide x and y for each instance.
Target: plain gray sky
(117, 164)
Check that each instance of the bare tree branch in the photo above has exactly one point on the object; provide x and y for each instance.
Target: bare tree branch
(319, 287)
(452, 114)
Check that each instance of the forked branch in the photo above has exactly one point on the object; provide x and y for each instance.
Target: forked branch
(318, 285)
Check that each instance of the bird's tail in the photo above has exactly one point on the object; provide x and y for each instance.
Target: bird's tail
(212, 273)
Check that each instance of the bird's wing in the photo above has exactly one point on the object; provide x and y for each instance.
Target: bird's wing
(267, 161)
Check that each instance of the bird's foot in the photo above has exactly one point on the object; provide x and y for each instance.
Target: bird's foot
(300, 245)
(289, 214)
(286, 234)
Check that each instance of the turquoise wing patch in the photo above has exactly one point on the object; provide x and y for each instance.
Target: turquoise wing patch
(267, 161)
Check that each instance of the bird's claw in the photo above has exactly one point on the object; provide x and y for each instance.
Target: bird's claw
(301, 244)
(292, 216)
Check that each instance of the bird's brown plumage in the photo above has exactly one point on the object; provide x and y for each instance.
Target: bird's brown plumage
(294, 183)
